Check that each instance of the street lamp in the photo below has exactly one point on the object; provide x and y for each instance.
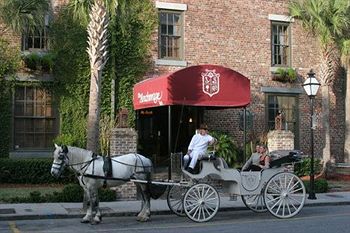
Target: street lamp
(311, 86)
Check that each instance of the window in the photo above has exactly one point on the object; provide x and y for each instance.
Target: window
(280, 44)
(170, 35)
(34, 118)
(36, 40)
(288, 105)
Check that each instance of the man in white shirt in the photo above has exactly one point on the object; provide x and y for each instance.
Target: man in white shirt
(198, 147)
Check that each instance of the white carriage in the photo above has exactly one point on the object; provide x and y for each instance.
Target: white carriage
(276, 189)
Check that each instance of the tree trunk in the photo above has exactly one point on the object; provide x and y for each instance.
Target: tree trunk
(326, 155)
(94, 111)
(347, 117)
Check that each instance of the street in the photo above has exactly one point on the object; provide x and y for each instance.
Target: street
(322, 219)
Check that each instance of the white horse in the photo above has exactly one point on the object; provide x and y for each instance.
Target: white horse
(89, 169)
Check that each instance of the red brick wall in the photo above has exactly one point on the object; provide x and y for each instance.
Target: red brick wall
(236, 34)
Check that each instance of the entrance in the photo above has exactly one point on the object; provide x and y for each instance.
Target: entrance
(153, 131)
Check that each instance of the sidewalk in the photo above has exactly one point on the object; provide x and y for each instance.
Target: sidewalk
(130, 208)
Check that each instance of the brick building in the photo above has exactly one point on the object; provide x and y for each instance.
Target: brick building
(254, 38)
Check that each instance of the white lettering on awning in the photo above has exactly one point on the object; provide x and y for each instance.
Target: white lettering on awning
(154, 97)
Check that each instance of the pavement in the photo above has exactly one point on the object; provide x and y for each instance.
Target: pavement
(29, 211)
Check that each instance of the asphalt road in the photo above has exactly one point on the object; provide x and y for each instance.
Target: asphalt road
(324, 219)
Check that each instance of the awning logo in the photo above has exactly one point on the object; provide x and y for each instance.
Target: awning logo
(155, 97)
(210, 82)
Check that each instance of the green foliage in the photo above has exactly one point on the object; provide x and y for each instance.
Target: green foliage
(285, 75)
(72, 79)
(9, 63)
(128, 61)
(9, 59)
(42, 62)
(226, 148)
(67, 139)
(70, 193)
(22, 16)
(320, 186)
(303, 168)
(32, 61)
(30, 171)
(132, 51)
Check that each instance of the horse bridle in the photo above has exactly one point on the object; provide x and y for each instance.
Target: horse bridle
(62, 155)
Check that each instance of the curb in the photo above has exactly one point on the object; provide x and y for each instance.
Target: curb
(128, 214)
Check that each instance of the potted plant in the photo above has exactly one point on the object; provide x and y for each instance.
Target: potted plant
(285, 75)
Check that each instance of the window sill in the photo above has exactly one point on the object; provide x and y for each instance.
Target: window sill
(163, 62)
(273, 69)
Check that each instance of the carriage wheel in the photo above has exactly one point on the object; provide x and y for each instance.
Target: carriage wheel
(175, 199)
(255, 202)
(201, 202)
(284, 195)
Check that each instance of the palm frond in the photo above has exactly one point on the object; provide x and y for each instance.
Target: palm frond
(24, 15)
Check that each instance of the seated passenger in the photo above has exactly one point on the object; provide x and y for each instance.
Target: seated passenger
(258, 160)
(198, 147)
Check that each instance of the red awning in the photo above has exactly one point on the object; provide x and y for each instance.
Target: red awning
(203, 85)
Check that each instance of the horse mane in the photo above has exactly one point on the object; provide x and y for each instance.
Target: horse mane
(80, 153)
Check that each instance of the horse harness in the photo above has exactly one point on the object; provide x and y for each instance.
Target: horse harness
(62, 155)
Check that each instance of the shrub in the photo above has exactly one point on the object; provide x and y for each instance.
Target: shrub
(320, 186)
(226, 148)
(32, 61)
(285, 75)
(31, 171)
(303, 168)
(47, 62)
(70, 193)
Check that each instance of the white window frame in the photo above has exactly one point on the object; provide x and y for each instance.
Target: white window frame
(173, 7)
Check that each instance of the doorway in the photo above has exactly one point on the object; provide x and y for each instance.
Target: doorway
(153, 131)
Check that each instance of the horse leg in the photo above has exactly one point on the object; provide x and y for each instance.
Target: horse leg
(86, 207)
(94, 202)
(145, 213)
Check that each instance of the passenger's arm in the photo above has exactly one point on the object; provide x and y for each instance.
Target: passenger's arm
(267, 162)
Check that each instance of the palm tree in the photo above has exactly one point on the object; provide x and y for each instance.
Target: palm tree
(97, 50)
(22, 16)
(346, 62)
(98, 41)
(326, 19)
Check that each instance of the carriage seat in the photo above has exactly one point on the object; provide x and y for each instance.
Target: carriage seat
(280, 157)
(219, 163)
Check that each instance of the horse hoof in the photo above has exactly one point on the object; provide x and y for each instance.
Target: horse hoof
(97, 219)
(143, 219)
(84, 221)
(94, 223)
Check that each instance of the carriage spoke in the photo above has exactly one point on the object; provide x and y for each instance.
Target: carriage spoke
(296, 184)
(295, 200)
(274, 199)
(191, 204)
(297, 190)
(290, 182)
(275, 190)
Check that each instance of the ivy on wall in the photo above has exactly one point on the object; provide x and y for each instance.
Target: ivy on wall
(71, 68)
(9, 62)
(71, 72)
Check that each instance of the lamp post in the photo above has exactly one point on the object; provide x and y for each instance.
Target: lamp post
(311, 86)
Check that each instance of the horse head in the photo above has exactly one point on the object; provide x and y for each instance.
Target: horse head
(60, 160)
